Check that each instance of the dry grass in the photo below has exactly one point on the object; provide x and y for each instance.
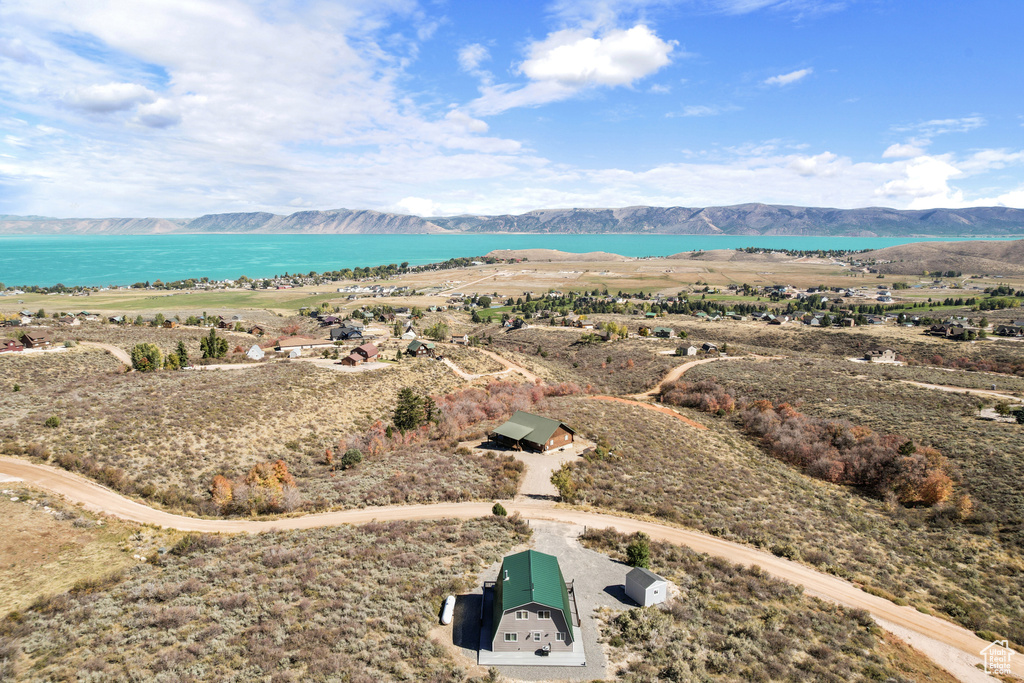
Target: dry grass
(349, 603)
(470, 360)
(735, 623)
(165, 435)
(719, 482)
(48, 546)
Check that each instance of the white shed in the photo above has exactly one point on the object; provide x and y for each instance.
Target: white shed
(645, 587)
(294, 353)
(255, 353)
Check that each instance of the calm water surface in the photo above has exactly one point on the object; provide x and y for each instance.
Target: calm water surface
(124, 259)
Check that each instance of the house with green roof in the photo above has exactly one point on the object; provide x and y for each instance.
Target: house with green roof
(528, 431)
(663, 332)
(418, 348)
(533, 605)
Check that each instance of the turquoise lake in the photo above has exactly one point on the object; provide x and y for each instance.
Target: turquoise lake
(124, 259)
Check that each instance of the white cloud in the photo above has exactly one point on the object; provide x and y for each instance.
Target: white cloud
(701, 110)
(162, 113)
(573, 60)
(16, 49)
(943, 126)
(925, 181)
(472, 56)
(619, 57)
(417, 206)
(111, 97)
(791, 77)
(902, 151)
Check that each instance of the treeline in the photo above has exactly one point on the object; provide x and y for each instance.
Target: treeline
(887, 465)
(820, 253)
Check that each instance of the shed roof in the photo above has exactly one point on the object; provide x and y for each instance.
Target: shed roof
(530, 427)
(533, 577)
(643, 577)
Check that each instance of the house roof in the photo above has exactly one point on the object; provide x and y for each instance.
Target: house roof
(529, 427)
(644, 577)
(533, 577)
(416, 344)
(368, 349)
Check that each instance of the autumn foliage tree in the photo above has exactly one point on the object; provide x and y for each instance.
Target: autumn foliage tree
(267, 487)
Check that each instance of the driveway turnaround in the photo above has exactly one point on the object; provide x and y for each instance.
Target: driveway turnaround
(930, 634)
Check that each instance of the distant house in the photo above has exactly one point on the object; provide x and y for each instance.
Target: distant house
(37, 340)
(257, 330)
(1009, 330)
(464, 339)
(690, 350)
(366, 352)
(663, 332)
(418, 348)
(528, 431)
(170, 324)
(645, 587)
(11, 345)
(708, 347)
(848, 322)
(881, 356)
(533, 605)
(345, 333)
(290, 343)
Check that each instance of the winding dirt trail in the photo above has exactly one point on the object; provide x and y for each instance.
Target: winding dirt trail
(509, 365)
(931, 634)
(961, 390)
(650, 406)
(680, 370)
(114, 351)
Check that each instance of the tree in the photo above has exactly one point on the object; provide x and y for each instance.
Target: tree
(146, 357)
(484, 302)
(158, 320)
(352, 457)
(213, 346)
(182, 354)
(139, 320)
(567, 488)
(638, 552)
(409, 411)
(498, 510)
(437, 331)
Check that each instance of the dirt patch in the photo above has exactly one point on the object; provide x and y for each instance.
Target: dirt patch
(651, 406)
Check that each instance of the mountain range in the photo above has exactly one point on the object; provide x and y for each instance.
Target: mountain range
(743, 219)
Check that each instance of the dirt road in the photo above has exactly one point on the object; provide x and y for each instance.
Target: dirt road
(961, 390)
(678, 371)
(927, 632)
(114, 351)
(509, 365)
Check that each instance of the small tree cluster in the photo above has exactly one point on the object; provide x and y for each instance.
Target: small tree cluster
(213, 346)
(146, 357)
(267, 487)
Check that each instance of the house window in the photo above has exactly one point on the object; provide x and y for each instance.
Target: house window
(566, 437)
(560, 637)
(536, 636)
(522, 615)
(544, 614)
(511, 637)
(552, 442)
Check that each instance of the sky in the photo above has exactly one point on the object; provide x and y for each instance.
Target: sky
(178, 108)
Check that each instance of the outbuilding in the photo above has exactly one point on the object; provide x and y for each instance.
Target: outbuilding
(645, 587)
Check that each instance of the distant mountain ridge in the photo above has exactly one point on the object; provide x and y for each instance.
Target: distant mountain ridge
(743, 219)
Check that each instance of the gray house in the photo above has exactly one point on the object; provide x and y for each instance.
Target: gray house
(645, 587)
(534, 607)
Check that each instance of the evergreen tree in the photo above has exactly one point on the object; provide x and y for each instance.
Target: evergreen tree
(213, 346)
(182, 354)
(638, 552)
(409, 411)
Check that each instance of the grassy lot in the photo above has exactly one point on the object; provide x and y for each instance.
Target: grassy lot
(719, 482)
(347, 603)
(47, 546)
(289, 300)
(165, 435)
(735, 623)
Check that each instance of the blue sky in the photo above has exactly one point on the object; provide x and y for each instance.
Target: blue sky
(182, 107)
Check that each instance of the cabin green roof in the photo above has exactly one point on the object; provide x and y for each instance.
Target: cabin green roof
(529, 427)
(416, 344)
(533, 577)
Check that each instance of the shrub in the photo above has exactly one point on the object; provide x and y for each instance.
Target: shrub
(351, 458)
(146, 357)
(52, 421)
(638, 552)
(498, 510)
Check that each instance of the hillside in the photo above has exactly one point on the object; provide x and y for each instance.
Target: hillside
(991, 258)
(743, 219)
